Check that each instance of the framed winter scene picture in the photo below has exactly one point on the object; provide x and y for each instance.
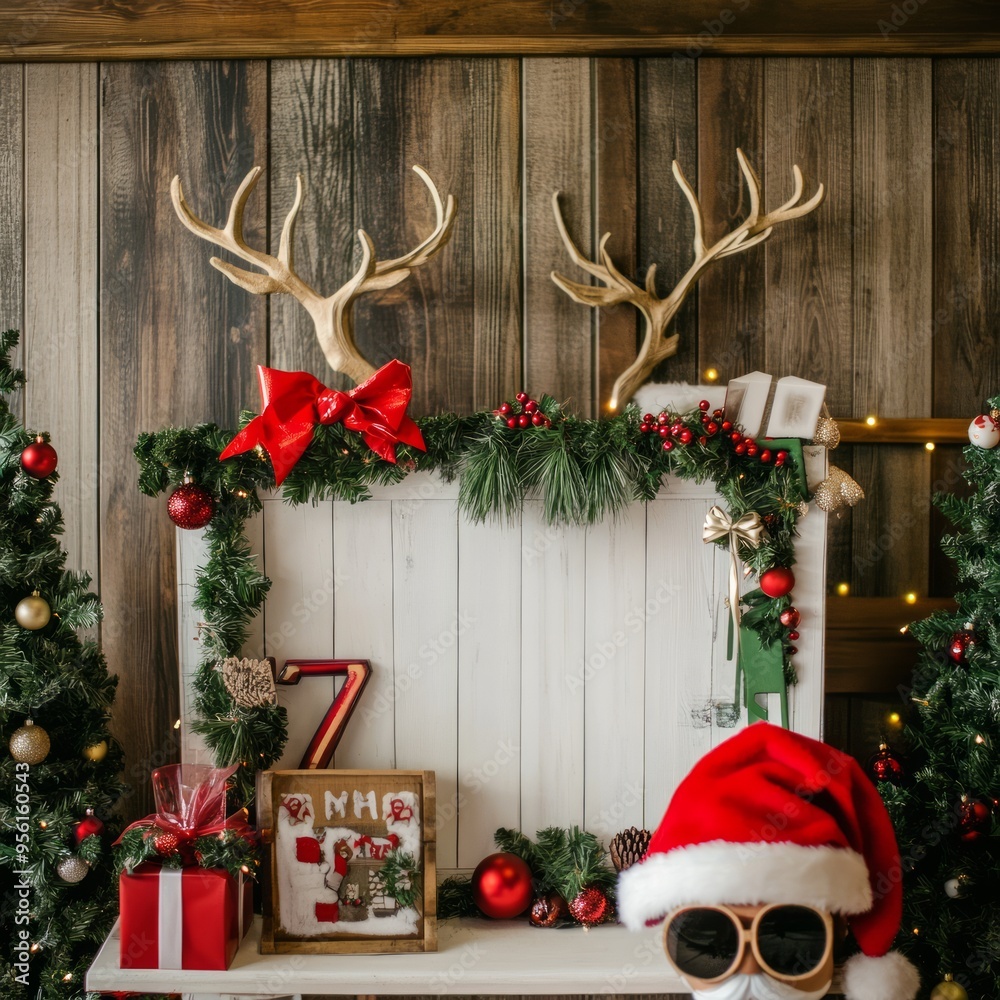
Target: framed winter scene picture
(351, 859)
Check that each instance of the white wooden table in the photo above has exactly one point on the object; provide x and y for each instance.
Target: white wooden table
(473, 957)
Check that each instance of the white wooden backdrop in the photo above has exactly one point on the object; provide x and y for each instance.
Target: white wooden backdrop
(548, 675)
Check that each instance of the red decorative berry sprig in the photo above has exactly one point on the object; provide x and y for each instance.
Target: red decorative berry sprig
(522, 412)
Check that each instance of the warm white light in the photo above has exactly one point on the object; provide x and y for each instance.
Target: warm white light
(904, 629)
(177, 724)
(980, 739)
(894, 718)
(711, 375)
(910, 598)
(929, 446)
(843, 589)
(871, 421)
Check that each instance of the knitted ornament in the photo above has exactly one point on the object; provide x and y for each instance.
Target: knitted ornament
(770, 816)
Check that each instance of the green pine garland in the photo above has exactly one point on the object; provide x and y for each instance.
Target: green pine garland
(953, 735)
(565, 861)
(227, 850)
(401, 877)
(583, 471)
(61, 681)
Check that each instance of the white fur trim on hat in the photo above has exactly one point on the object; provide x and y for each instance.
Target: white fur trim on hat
(890, 977)
(830, 878)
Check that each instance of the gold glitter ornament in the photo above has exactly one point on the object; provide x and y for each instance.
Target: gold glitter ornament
(827, 433)
(250, 683)
(96, 752)
(30, 744)
(73, 869)
(949, 990)
(33, 612)
(837, 490)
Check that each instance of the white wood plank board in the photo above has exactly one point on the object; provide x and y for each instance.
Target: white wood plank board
(489, 687)
(473, 957)
(679, 627)
(427, 629)
(12, 212)
(60, 288)
(553, 609)
(192, 554)
(613, 673)
(362, 555)
(299, 612)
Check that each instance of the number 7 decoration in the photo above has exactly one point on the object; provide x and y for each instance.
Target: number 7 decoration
(319, 753)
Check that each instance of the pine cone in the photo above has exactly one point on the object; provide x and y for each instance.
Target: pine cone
(250, 683)
(628, 847)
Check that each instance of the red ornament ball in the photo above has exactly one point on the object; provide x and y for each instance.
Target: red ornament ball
(884, 765)
(166, 844)
(501, 886)
(591, 906)
(89, 826)
(790, 617)
(39, 459)
(190, 506)
(975, 816)
(547, 911)
(777, 581)
(960, 643)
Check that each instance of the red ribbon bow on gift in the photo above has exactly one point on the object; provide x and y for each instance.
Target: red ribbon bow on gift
(295, 402)
(190, 803)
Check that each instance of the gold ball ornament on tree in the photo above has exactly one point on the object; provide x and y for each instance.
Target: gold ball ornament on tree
(33, 612)
(97, 751)
(73, 869)
(30, 744)
(949, 990)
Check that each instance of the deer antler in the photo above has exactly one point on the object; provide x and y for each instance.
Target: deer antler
(333, 315)
(658, 312)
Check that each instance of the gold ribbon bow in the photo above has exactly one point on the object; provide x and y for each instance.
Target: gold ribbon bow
(749, 529)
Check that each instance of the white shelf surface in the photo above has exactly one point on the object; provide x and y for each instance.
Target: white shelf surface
(473, 957)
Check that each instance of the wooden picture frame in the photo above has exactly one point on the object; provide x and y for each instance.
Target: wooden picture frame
(363, 815)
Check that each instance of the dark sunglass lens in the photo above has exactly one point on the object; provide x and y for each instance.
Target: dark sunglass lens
(702, 943)
(792, 940)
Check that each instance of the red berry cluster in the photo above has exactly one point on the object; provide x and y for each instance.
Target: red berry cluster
(524, 412)
(790, 618)
(671, 428)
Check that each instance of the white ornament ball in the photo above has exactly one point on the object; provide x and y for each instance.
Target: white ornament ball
(73, 869)
(952, 888)
(984, 432)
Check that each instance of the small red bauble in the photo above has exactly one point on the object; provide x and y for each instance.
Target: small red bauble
(712, 427)
(521, 397)
(590, 906)
(960, 643)
(790, 617)
(884, 765)
(765, 455)
(501, 886)
(663, 419)
(975, 816)
(647, 418)
(793, 635)
(668, 445)
(190, 506)
(740, 449)
(530, 406)
(512, 422)
(523, 420)
(704, 405)
(39, 459)
(89, 826)
(752, 449)
(547, 911)
(777, 582)
(166, 844)
(505, 409)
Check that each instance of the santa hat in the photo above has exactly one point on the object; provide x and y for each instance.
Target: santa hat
(770, 816)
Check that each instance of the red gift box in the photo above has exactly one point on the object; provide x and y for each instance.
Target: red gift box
(182, 918)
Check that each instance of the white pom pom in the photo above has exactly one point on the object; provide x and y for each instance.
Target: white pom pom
(890, 977)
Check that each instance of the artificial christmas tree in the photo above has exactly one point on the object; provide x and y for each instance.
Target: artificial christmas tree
(944, 813)
(55, 700)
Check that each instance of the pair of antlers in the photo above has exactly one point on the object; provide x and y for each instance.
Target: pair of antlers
(333, 315)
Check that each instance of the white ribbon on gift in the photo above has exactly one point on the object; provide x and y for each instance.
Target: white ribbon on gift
(170, 918)
(747, 528)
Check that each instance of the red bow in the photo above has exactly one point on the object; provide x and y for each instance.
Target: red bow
(294, 402)
(154, 824)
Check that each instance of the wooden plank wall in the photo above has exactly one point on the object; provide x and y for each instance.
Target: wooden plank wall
(888, 293)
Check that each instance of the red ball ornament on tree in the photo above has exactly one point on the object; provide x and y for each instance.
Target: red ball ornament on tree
(501, 886)
(790, 617)
(39, 459)
(975, 816)
(886, 766)
(777, 581)
(590, 906)
(89, 826)
(960, 643)
(190, 506)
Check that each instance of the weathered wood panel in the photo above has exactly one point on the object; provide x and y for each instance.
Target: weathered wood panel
(178, 343)
(60, 286)
(312, 134)
(893, 315)
(668, 130)
(558, 333)
(731, 295)
(12, 207)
